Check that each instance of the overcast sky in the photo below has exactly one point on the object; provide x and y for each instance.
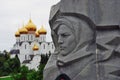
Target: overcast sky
(13, 13)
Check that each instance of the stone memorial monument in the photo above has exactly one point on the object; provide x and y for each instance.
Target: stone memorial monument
(87, 40)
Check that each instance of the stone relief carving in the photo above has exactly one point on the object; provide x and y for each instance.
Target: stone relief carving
(75, 56)
(108, 50)
(86, 36)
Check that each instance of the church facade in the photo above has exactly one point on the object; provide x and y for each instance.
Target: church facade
(30, 44)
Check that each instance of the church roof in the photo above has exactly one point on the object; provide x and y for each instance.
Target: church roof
(17, 34)
(42, 30)
(35, 47)
(15, 51)
(37, 34)
(23, 30)
(31, 26)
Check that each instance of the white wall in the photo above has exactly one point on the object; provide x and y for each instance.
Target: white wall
(24, 48)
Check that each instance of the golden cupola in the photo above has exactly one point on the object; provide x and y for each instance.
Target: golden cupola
(23, 30)
(42, 30)
(37, 34)
(35, 47)
(17, 34)
(31, 26)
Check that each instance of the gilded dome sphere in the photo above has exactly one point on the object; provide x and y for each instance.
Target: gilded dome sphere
(31, 26)
(17, 34)
(42, 30)
(23, 30)
(37, 34)
(35, 47)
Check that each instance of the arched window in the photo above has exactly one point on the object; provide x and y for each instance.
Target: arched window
(25, 46)
(21, 38)
(28, 37)
(44, 46)
(31, 37)
(24, 38)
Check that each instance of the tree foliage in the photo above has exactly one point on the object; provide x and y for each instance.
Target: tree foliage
(11, 66)
(8, 65)
(26, 74)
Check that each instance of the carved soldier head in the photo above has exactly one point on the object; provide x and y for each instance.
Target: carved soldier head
(72, 32)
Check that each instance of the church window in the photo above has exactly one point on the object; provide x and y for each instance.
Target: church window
(25, 57)
(43, 39)
(44, 46)
(31, 37)
(24, 38)
(25, 46)
(21, 38)
(28, 37)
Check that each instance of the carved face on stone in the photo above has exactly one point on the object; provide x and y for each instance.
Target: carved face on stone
(66, 40)
(70, 34)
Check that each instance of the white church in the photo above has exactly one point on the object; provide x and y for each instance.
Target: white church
(30, 44)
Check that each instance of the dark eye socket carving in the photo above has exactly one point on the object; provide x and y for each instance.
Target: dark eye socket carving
(65, 35)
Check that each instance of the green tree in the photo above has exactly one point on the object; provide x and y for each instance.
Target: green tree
(24, 70)
(7, 55)
(26, 74)
(40, 71)
(8, 65)
(22, 75)
(16, 64)
(33, 75)
(4, 64)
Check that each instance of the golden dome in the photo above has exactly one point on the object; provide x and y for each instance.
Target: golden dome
(42, 30)
(35, 47)
(23, 30)
(36, 34)
(31, 26)
(17, 34)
